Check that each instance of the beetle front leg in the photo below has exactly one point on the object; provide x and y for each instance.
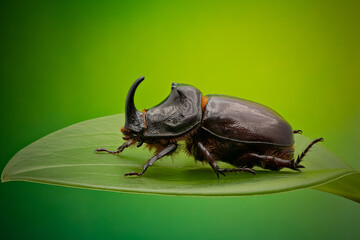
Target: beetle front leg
(168, 150)
(119, 150)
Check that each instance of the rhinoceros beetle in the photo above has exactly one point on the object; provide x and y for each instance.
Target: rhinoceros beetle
(214, 128)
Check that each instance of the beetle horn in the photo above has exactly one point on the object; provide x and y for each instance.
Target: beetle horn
(133, 118)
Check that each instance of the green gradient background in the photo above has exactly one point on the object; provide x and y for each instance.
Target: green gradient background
(67, 61)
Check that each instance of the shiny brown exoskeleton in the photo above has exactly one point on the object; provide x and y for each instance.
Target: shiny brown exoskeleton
(214, 128)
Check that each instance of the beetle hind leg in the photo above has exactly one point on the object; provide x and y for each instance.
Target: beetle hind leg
(274, 163)
(302, 155)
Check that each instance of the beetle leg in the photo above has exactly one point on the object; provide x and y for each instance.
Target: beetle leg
(119, 150)
(297, 131)
(216, 168)
(275, 163)
(300, 157)
(210, 159)
(168, 150)
(140, 143)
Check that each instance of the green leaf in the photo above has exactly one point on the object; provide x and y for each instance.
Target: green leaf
(66, 157)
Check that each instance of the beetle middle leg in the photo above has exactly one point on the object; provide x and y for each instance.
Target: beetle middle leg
(119, 150)
(216, 168)
(166, 151)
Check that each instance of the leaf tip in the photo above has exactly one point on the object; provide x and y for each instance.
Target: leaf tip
(4, 178)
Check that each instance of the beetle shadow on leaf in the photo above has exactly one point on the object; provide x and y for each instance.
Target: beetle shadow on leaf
(201, 174)
(131, 158)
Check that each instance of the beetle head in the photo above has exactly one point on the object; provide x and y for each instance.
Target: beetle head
(133, 117)
(177, 114)
(129, 134)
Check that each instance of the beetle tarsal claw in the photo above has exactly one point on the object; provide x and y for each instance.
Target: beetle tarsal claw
(222, 173)
(295, 166)
(251, 171)
(298, 131)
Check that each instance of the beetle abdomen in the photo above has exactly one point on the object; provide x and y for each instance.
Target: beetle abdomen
(245, 121)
